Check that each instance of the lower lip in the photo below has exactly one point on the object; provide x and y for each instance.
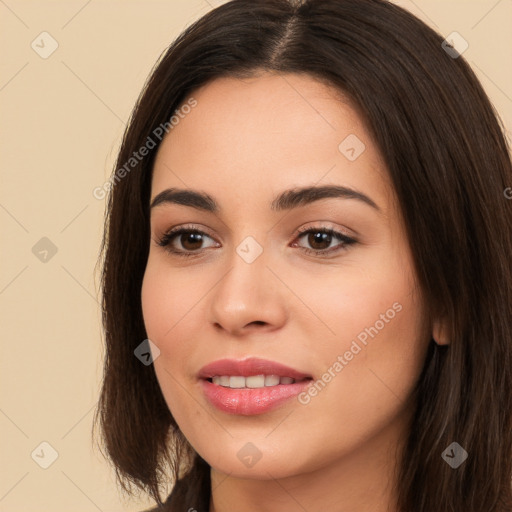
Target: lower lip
(246, 401)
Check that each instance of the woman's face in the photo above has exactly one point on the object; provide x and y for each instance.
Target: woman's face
(349, 315)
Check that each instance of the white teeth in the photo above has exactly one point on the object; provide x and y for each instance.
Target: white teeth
(255, 381)
(271, 380)
(236, 382)
(223, 381)
(252, 382)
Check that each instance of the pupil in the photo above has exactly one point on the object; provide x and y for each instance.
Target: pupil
(191, 238)
(319, 238)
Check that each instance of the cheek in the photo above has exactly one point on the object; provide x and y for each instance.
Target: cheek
(369, 368)
(168, 298)
(155, 303)
(375, 342)
(162, 311)
(357, 296)
(173, 309)
(166, 307)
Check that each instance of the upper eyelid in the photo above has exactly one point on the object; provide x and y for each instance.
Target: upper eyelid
(176, 230)
(329, 225)
(191, 227)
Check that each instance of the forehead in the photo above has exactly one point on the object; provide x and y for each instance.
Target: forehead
(253, 137)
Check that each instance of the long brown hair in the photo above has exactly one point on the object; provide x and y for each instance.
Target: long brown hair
(450, 167)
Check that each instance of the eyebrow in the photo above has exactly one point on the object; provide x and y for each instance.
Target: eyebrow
(287, 200)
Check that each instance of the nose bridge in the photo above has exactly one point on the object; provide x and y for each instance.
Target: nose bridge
(247, 292)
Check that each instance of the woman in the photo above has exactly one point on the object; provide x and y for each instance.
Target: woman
(307, 281)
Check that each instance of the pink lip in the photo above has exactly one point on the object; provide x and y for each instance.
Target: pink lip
(250, 401)
(247, 367)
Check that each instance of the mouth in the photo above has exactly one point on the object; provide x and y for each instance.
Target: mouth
(250, 386)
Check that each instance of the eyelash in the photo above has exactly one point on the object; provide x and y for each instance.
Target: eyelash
(167, 238)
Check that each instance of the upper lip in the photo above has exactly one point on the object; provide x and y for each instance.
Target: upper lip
(248, 367)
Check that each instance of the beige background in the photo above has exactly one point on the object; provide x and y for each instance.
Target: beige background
(61, 123)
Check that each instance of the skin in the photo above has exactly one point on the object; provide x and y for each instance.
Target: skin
(245, 142)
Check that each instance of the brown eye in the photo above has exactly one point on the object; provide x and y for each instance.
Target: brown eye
(320, 240)
(190, 240)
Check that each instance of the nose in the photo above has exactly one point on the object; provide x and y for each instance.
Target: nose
(248, 298)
